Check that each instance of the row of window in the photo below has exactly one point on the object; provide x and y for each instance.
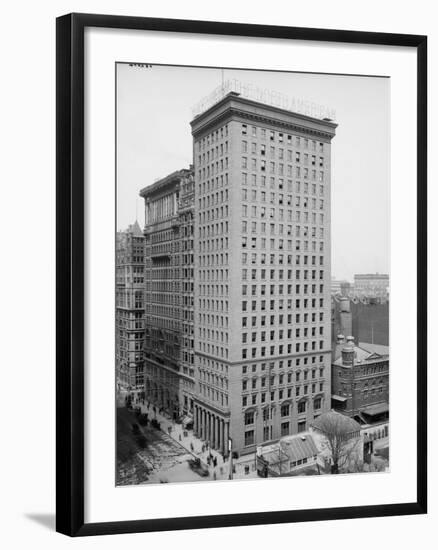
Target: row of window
(214, 395)
(280, 244)
(273, 291)
(281, 137)
(281, 379)
(285, 411)
(212, 349)
(275, 305)
(218, 243)
(276, 213)
(274, 168)
(281, 363)
(211, 260)
(215, 183)
(213, 214)
(212, 319)
(263, 336)
(277, 199)
(210, 334)
(213, 137)
(262, 149)
(213, 153)
(214, 169)
(281, 349)
(213, 199)
(269, 259)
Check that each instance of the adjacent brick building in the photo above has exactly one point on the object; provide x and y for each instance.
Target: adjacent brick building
(360, 381)
(367, 319)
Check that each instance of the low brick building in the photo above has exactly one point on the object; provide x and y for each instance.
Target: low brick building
(360, 381)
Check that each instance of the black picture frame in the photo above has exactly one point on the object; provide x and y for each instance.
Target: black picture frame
(70, 273)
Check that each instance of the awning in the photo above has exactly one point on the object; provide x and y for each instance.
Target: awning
(339, 398)
(374, 410)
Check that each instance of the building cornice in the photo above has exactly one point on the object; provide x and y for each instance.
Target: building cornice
(263, 359)
(198, 400)
(161, 186)
(272, 116)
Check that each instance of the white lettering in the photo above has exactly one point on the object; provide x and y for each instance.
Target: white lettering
(263, 95)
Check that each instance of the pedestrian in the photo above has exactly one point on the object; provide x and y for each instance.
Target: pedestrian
(214, 476)
(215, 462)
(179, 437)
(191, 447)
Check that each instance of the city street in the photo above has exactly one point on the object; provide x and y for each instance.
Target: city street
(159, 455)
(150, 456)
(186, 440)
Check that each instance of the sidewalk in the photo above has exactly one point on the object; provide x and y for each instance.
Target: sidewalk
(189, 441)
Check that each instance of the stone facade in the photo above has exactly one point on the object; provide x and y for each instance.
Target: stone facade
(373, 285)
(262, 272)
(130, 308)
(169, 331)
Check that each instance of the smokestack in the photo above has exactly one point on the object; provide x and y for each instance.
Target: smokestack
(348, 352)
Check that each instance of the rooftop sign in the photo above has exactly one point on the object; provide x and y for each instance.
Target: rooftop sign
(264, 95)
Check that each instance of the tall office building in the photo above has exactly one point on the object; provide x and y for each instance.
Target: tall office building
(262, 272)
(169, 333)
(130, 308)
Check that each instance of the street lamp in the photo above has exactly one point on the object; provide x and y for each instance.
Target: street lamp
(230, 447)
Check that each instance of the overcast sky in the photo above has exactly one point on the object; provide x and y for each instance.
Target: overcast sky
(154, 110)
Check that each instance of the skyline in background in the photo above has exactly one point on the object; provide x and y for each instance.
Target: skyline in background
(154, 110)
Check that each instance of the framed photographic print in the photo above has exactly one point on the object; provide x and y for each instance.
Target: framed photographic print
(241, 274)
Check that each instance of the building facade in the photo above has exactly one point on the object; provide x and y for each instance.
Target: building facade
(360, 381)
(371, 285)
(341, 288)
(367, 319)
(169, 330)
(130, 308)
(262, 272)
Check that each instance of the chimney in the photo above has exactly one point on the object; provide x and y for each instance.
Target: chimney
(348, 352)
(337, 348)
(350, 341)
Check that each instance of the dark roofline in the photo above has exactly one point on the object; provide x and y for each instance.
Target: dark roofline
(237, 97)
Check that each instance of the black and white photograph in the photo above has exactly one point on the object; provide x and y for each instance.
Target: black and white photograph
(252, 274)
(215, 309)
